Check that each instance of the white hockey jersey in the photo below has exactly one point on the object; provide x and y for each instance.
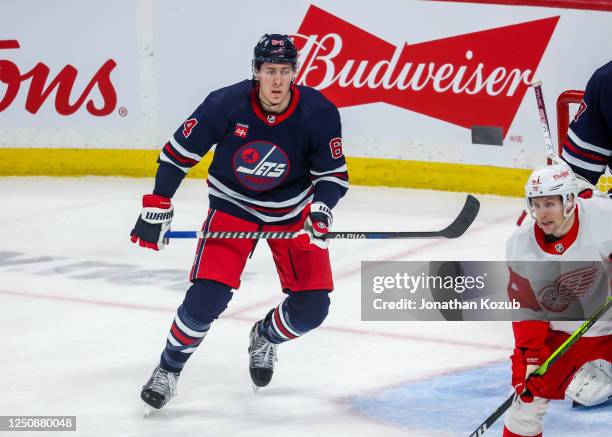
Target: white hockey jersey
(575, 286)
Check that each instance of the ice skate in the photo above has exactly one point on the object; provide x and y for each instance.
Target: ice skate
(159, 389)
(262, 355)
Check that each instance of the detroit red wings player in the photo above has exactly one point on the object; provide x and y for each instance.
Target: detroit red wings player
(562, 227)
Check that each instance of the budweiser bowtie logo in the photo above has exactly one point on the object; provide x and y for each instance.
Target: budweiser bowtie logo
(40, 87)
(478, 78)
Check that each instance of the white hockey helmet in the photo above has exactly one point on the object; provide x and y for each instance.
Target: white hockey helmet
(553, 180)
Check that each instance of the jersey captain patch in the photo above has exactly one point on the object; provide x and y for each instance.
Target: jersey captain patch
(260, 165)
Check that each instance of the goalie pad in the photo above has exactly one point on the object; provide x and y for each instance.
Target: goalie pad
(592, 384)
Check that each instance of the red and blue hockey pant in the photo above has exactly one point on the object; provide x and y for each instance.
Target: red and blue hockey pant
(305, 278)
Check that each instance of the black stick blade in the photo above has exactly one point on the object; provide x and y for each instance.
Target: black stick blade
(464, 220)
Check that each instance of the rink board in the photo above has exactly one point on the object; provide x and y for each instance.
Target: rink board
(362, 171)
(137, 80)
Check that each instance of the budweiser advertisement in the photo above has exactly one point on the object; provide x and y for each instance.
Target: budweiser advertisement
(411, 79)
(68, 68)
(478, 78)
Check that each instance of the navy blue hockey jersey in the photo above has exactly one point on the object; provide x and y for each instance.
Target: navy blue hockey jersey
(266, 167)
(588, 148)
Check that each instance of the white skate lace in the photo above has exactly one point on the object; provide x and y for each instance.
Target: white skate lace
(264, 353)
(163, 382)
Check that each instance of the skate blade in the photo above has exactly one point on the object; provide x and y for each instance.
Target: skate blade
(149, 410)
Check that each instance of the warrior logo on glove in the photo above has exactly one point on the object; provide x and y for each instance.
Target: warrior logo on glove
(153, 223)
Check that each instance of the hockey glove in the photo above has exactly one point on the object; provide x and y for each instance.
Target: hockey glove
(540, 387)
(154, 222)
(316, 227)
(524, 363)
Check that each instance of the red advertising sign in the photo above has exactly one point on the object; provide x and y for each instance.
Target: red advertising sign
(41, 86)
(477, 78)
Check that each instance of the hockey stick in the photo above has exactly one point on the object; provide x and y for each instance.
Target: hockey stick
(456, 229)
(546, 365)
(550, 148)
(550, 151)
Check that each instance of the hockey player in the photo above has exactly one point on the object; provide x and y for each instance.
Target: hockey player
(278, 166)
(588, 146)
(577, 233)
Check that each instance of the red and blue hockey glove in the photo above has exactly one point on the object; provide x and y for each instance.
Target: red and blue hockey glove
(524, 363)
(316, 227)
(154, 222)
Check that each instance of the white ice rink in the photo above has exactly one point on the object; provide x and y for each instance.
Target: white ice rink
(84, 315)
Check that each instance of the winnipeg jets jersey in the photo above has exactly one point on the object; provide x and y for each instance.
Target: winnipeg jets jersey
(266, 167)
(573, 287)
(588, 148)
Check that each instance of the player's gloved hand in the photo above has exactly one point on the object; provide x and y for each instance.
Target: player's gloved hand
(539, 386)
(316, 227)
(154, 222)
(524, 363)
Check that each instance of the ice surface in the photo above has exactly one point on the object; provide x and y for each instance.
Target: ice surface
(84, 314)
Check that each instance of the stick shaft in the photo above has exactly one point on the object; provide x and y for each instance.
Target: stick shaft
(357, 235)
(550, 148)
(457, 228)
(546, 365)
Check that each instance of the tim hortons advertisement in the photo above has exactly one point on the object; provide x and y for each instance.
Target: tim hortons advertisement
(40, 85)
(82, 74)
(412, 79)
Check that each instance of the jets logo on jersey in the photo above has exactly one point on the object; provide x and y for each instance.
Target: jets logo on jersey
(260, 165)
(241, 130)
(569, 287)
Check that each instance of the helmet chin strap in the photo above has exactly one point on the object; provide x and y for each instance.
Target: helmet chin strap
(566, 219)
(263, 102)
(259, 96)
(266, 103)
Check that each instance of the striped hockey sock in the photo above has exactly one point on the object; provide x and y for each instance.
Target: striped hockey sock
(277, 326)
(184, 337)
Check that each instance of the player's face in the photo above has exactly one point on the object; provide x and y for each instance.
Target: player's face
(275, 81)
(548, 211)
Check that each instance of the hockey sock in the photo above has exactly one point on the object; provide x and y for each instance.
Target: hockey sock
(204, 302)
(508, 433)
(299, 313)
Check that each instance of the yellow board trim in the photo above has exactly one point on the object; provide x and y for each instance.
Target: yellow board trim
(362, 171)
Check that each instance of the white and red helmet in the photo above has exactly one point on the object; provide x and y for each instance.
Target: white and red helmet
(552, 180)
